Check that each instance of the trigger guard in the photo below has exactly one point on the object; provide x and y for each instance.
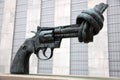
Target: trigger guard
(45, 56)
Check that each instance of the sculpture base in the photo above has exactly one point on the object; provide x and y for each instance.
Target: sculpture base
(49, 77)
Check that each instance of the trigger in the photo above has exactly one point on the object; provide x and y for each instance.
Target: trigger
(44, 50)
(52, 49)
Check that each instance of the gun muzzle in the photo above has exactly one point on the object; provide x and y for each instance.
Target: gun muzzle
(101, 7)
(93, 16)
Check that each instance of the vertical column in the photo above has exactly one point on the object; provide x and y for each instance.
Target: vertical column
(7, 35)
(20, 25)
(78, 51)
(46, 20)
(1, 15)
(33, 20)
(61, 59)
(98, 49)
(114, 37)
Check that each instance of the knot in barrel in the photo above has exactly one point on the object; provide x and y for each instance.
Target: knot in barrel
(90, 22)
(93, 17)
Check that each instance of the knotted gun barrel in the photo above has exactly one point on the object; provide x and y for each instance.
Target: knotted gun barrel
(88, 24)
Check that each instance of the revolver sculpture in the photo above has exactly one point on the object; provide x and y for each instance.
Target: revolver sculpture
(88, 24)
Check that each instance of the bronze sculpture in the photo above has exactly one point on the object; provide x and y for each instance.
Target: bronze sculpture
(88, 24)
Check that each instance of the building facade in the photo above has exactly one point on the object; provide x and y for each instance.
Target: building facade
(98, 58)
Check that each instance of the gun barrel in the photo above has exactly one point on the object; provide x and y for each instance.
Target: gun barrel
(68, 31)
(71, 35)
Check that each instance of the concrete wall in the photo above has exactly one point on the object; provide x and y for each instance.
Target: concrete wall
(46, 20)
(98, 64)
(1, 20)
(61, 58)
(33, 20)
(114, 37)
(1, 15)
(7, 35)
(78, 51)
(20, 25)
